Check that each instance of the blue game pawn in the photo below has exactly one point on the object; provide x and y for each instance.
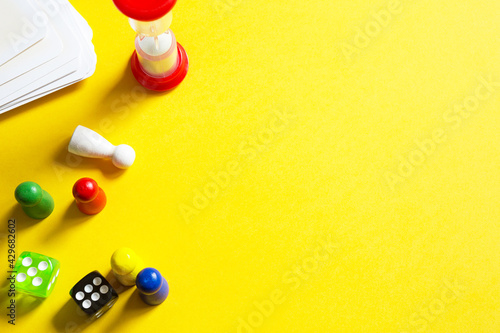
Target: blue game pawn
(153, 288)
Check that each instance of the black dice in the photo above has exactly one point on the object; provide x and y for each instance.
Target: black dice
(93, 294)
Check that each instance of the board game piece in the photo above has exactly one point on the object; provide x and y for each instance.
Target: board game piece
(89, 197)
(36, 274)
(159, 62)
(35, 201)
(126, 264)
(94, 294)
(87, 143)
(153, 288)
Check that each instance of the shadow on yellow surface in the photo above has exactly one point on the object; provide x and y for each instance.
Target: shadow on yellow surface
(133, 308)
(72, 218)
(41, 101)
(23, 221)
(125, 96)
(23, 305)
(65, 158)
(70, 318)
(74, 215)
(117, 286)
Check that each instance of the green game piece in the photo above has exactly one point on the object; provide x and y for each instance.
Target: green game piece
(36, 274)
(36, 203)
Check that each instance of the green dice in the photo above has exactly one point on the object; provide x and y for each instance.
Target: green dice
(36, 274)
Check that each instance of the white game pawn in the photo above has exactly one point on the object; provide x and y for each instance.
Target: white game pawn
(87, 143)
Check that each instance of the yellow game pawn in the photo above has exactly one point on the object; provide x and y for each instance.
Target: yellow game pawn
(126, 265)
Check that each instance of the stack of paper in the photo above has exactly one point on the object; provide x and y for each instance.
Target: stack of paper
(45, 45)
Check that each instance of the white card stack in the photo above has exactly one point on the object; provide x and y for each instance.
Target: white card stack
(45, 45)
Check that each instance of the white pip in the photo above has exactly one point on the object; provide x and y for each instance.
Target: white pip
(87, 143)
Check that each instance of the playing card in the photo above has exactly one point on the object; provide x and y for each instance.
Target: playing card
(48, 73)
(76, 61)
(86, 68)
(46, 49)
(21, 26)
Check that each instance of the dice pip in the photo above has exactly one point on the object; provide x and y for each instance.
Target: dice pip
(94, 294)
(36, 274)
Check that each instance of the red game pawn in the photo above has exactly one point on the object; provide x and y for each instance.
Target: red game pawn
(89, 197)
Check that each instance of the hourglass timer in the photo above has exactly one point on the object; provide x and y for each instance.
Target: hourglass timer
(158, 62)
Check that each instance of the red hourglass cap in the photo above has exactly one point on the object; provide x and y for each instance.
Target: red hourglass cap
(145, 10)
(162, 83)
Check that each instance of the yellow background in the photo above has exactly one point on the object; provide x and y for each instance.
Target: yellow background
(393, 251)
